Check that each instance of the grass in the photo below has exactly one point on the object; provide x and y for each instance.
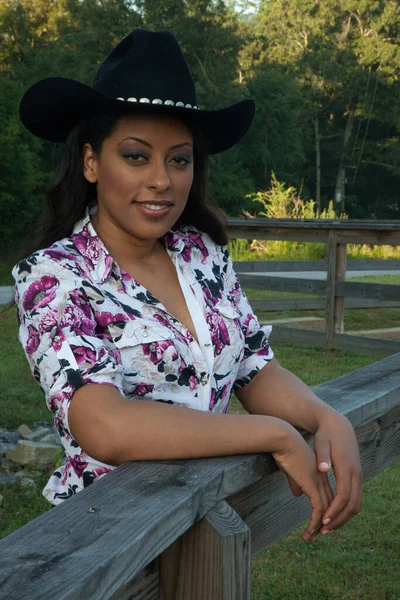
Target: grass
(360, 561)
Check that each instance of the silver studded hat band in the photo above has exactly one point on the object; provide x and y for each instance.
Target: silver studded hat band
(158, 101)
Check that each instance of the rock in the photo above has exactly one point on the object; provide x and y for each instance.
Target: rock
(35, 455)
(5, 446)
(38, 434)
(7, 478)
(8, 465)
(25, 481)
(51, 438)
(9, 437)
(25, 473)
(42, 424)
(24, 431)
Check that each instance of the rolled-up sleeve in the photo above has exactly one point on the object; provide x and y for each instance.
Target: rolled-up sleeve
(57, 330)
(257, 351)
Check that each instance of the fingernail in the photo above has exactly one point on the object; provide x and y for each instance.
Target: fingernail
(326, 521)
(312, 531)
(325, 464)
(326, 531)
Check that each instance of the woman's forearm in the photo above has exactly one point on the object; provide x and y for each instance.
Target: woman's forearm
(121, 430)
(279, 393)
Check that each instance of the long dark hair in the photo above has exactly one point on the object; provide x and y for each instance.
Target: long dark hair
(70, 192)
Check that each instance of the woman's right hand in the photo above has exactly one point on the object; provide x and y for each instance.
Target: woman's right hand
(297, 460)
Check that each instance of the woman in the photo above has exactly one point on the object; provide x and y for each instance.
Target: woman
(130, 294)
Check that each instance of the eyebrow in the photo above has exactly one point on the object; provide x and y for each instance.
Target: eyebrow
(131, 137)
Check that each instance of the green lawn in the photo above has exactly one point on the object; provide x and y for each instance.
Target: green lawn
(360, 561)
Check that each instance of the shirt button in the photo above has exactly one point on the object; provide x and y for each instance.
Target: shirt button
(145, 334)
(204, 379)
(57, 338)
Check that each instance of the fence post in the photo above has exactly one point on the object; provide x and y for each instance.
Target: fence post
(215, 558)
(340, 275)
(330, 292)
(334, 319)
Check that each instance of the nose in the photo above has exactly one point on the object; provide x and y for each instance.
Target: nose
(159, 179)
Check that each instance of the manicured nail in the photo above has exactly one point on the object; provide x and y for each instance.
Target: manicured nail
(326, 521)
(326, 531)
(325, 464)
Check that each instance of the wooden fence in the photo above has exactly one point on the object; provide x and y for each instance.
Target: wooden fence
(337, 234)
(105, 542)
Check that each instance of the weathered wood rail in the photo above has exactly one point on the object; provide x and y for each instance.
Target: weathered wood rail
(105, 543)
(337, 234)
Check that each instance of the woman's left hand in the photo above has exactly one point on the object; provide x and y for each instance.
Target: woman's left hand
(335, 445)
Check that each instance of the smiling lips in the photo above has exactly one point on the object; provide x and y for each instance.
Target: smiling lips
(154, 208)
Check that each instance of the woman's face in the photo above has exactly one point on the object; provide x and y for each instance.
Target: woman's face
(147, 159)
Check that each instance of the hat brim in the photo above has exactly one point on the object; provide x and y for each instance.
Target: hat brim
(53, 106)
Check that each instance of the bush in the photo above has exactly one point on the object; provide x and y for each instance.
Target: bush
(282, 202)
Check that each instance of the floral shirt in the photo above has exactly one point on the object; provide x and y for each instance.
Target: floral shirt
(83, 319)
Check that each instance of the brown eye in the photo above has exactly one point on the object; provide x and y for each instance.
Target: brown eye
(182, 160)
(135, 156)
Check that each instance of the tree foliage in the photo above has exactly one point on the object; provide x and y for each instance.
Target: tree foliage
(325, 77)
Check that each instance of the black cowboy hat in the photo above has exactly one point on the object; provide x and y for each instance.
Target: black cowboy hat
(146, 72)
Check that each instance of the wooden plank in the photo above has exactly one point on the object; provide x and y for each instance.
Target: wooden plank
(298, 322)
(283, 284)
(385, 333)
(215, 558)
(327, 224)
(340, 275)
(145, 586)
(141, 508)
(377, 291)
(379, 444)
(330, 292)
(312, 337)
(292, 266)
(281, 304)
(313, 230)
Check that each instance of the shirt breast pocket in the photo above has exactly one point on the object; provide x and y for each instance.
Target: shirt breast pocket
(149, 355)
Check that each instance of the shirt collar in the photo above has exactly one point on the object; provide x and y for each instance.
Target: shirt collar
(97, 257)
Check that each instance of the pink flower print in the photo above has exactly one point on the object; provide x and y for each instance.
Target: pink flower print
(208, 297)
(101, 471)
(226, 390)
(58, 255)
(83, 355)
(87, 245)
(187, 375)
(33, 340)
(193, 240)
(55, 406)
(80, 301)
(142, 389)
(78, 464)
(236, 292)
(212, 399)
(105, 318)
(40, 293)
(155, 351)
(249, 324)
(264, 351)
(218, 330)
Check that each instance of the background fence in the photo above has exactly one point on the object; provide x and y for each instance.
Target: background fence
(336, 234)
